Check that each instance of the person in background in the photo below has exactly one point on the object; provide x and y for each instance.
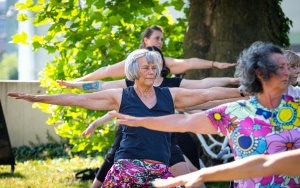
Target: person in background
(286, 163)
(267, 123)
(143, 154)
(294, 67)
(153, 36)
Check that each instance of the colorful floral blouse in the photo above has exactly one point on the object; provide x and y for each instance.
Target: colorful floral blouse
(253, 129)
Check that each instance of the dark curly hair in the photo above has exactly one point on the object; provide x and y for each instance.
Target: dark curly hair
(257, 57)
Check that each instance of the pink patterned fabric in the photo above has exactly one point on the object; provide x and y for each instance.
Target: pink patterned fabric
(254, 130)
(122, 172)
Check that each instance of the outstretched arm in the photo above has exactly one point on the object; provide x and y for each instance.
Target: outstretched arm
(92, 86)
(91, 128)
(179, 66)
(209, 82)
(211, 104)
(190, 97)
(254, 166)
(197, 123)
(176, 66)
(113, 71)
(103, 100)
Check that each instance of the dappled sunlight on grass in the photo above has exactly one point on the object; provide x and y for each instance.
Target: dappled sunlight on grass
(54, 173)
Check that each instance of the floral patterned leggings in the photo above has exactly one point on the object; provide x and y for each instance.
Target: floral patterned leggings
(135, 173)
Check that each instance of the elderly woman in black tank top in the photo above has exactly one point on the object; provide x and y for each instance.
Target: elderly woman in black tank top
(178, 164)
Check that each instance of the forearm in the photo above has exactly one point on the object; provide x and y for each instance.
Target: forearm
(60, 99)
(179, 66)
(246, 168)
(92, 86)
(168, 123)
(111, 71)
(197, 63)
(216, 82)
(211, 104)
(200, 96)
(220, 93)
(87, 86)
(285, 163)
(207, 95)
(96, 75)
(104, 119)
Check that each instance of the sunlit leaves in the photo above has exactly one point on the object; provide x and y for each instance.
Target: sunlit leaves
(20, 38)
(178, 4)
(85, 35)
(25, 5)
(37, 8)
(41, 1)
(37, 42)
(22, 17)
(114, 20)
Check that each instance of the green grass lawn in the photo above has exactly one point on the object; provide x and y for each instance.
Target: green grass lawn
(54, 173)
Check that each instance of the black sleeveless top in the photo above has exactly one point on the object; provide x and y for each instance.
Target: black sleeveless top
(139, 142)
(167, 82)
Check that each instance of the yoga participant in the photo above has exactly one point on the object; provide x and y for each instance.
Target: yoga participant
(178, 164)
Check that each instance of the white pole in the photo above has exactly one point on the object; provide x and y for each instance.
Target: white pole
(26, 60)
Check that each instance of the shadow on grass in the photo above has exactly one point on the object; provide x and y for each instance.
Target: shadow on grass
(72, 182)
(87, 174)
(11, 175)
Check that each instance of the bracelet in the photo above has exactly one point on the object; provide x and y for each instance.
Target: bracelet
(212, 65)
(242, 93)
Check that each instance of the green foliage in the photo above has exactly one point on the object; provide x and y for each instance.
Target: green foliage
(50, 150)
(278, 27)
(86, 35)
(9, 67)
(41, 152)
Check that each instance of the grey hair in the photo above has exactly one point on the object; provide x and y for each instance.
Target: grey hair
(132, 66)
(257, 57)
(293, 62)
(292, 57)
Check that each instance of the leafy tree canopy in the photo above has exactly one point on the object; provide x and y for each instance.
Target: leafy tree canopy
(86, 35)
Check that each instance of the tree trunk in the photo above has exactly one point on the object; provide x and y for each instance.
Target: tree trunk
(220, 29)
